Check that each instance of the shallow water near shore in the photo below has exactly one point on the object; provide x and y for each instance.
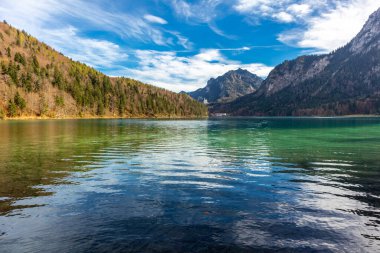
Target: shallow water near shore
(218, 185)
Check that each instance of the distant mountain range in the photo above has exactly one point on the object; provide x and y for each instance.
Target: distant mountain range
(228, 87)
(36, 80)
(343, 82)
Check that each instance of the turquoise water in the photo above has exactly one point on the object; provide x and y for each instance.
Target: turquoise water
(228, 185)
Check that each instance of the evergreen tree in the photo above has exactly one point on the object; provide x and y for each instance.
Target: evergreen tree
(12, 109)
(19, 101)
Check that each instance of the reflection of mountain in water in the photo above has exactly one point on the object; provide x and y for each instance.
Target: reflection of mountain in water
(40, 154)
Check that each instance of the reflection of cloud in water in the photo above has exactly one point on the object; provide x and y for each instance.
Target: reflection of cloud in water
(331, 204)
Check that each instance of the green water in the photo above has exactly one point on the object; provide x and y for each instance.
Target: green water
(234, 185)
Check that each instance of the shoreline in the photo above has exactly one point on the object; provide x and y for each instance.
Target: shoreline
(26, 118)
(299, 117)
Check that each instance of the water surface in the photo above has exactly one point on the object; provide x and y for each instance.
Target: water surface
(231, 185)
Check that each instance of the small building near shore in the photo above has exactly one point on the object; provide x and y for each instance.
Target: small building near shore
(219, 114)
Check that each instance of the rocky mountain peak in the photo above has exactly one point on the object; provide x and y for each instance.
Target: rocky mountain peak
(231, 85)
(369, 36)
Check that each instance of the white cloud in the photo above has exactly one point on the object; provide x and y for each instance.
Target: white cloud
(155, 19)
(28, 15)
(182, 8)
(322, 24)
(182, 40)
(299, 10)
(235, 49)
(174, 72)
(333, 28)
(284, 17)
(201, 12)
(96, 53)
(255, 6)
(283, 11)
(209, 55)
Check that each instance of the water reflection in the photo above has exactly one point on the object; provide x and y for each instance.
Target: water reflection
(185, 186)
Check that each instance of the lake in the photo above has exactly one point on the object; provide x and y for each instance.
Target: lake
(222, 185)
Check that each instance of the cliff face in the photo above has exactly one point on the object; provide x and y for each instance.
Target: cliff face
(346, 81)
(292, 73)
(225, 88)
(36, 80)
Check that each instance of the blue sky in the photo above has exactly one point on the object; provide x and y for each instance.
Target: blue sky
(180, 44)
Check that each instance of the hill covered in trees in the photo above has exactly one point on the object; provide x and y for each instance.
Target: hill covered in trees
(343, 82)
(37, 81)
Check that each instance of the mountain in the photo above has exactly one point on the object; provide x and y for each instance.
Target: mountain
(36, 80)
(343, 82)
(225, 88)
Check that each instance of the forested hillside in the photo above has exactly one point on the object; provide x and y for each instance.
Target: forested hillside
(36, 80)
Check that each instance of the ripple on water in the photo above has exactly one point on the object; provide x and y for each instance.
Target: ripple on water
(236, 185)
